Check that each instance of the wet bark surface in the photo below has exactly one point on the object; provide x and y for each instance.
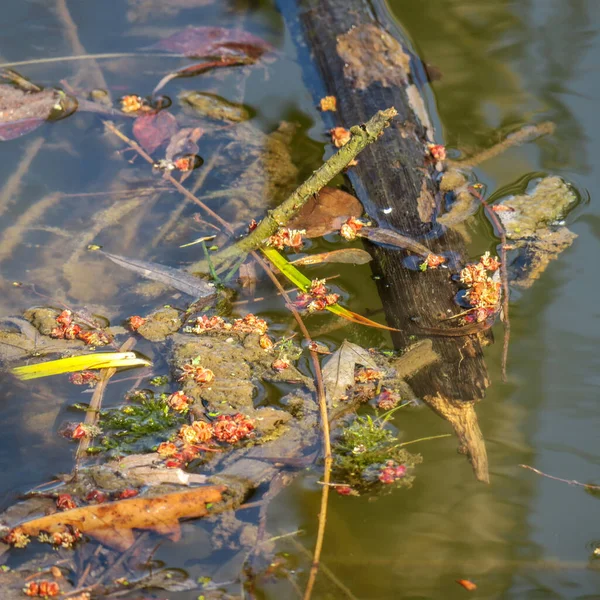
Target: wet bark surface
(368, 69)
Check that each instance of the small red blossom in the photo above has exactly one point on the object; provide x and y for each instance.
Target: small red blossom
(41, 589)
(185, 163)
(364, 375)
(95, 337)
(17, 538)
(387, 400)
(179, 402)
(391, 472)
(340, 136)
(433, 261)
(84, 378)
(79, 432)
(491, 263)
(136, 322)
(250, 324)
(166, 449)
(197, 432)
(252, 225)
(66, 539)
(65, 502)
(290, 238)
(350, 228)
(96, 497)
(127, 493)
(232, 429)
(280, 364)
(265, 342)
(437, 151)
(328, 103)
(196, 373)
(345, 490)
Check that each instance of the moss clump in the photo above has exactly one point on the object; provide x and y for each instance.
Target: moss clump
(364, 454)
(138, 426)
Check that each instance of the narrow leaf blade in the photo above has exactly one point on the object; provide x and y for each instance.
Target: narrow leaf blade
(100, 360)
(180, 280)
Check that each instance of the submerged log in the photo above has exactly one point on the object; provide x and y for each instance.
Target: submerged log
(367, 68)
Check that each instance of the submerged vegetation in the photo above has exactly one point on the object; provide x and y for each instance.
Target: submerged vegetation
(242, 399)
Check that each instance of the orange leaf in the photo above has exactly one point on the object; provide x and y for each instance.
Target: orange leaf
(113, 523)
(336, 309)
(468, 585)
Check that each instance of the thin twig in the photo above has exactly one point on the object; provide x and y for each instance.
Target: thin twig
(108, 55)
(362, 136)
(135, 146)
(587, 486)
(523, 135)
(326, 570)
(324, 425)
(93, 414)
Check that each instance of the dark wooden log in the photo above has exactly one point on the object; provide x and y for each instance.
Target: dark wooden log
(368, 68)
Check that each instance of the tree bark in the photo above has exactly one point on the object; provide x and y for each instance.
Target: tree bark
(367, 69)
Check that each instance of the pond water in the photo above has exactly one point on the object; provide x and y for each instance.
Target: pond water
(503, 64)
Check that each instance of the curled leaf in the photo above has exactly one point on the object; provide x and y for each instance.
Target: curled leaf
(326, 212)
(112, 523)
(180, 280)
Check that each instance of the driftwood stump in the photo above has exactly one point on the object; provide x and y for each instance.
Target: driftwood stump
(368, 68)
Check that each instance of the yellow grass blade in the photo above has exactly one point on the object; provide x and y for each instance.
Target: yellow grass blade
(99, 360)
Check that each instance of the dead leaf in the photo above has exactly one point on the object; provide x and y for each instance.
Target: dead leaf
(326, 212)
(180, 280)
(354, 256)
(199, 68)
(113, 523)
(389, 237)
(468, 585)
(153, 130)
(201, 42)
(183, 143)
(338, 372)
(21, 112)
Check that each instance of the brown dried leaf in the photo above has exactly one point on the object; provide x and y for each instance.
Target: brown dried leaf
(113, 523)
(153, 130)
(338, 372)
(326, 212)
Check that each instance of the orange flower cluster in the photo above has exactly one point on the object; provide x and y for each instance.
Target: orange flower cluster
(340, 136)
(285, 237)
(232, 429)
(179, 402)
(62, 539)
(68, 330)
(364, 375)
(280, 364)
(437, 151)
(41, 589)
(82, 430)
(328, 103)
(196, 373)
(317, 297)
(387, 400)
(350, 227)
(248, 324)
(17, 538)
(483, 292)
(136, 322)
(134, 104)
(84, 378)
(65, 502)
(433, 261)
(196, 433)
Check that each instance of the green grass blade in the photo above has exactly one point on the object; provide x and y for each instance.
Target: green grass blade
(99, 360)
